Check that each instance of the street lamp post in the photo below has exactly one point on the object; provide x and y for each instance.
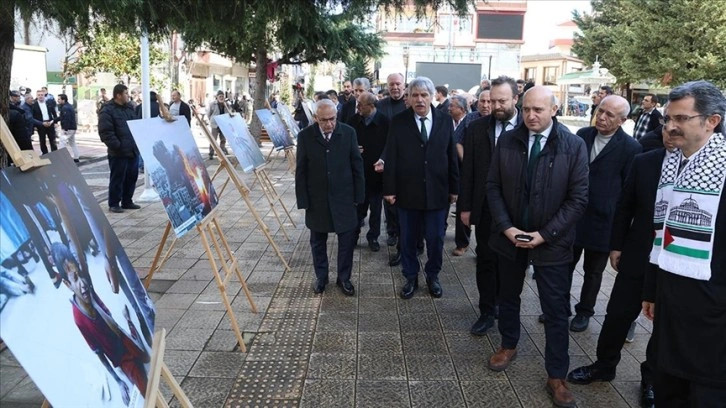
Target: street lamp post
(405, 63)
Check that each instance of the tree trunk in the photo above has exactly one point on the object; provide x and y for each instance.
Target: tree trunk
(260, 91)
(7, 45)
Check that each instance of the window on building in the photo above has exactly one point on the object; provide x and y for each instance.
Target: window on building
(530, 75)
(500, 26)
(550, 76)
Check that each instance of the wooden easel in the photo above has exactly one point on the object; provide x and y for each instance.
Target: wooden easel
(158, 371)
(268, 189)
(212, 237)
(26, 160)
(229, 166)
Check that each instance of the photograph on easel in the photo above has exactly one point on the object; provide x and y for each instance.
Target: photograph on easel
(275, 129)
(72, 309)
(239, 138)
(177, 170)
(286, 116)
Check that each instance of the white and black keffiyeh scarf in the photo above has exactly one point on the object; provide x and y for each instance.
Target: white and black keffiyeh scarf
(686, 208)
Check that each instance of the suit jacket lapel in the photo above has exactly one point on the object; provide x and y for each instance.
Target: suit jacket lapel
(438, 120)
(613, 144)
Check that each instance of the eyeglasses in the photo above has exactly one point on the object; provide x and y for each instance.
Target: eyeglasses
(326, 120)
(679, 119)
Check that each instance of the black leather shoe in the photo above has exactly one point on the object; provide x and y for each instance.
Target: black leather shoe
(541, 318)
(131, 206)
(319, 285)
(395, 260)
(647, 395)
(392, 240)
(116, 209)
(346, 287)
(579, 323)
(434, 288)
(481, 326)
(587, 374)
(374, 246)
(409, 288)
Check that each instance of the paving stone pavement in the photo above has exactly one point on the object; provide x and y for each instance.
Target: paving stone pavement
(307, 350)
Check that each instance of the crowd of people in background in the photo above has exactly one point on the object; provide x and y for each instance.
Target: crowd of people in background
(534, 194)
(538, 195)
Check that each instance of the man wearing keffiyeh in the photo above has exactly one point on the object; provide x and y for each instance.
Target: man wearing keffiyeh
(690, 226)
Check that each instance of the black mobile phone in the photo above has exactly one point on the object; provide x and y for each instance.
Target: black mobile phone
(523, 237)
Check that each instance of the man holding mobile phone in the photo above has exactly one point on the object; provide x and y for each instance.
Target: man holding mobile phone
(537, 190)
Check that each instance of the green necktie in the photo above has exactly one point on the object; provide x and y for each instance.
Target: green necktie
(533, 154)
(424, 133)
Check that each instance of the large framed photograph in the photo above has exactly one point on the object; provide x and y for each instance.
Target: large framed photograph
(243, 144)
(175, 166)
(286, 116)
(275, 128)
(72, 309)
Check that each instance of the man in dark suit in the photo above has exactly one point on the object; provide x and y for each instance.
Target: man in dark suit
(421, 139)
(652, 140)
(630, 243)
(389, 107)
(479, 142)
(649, 118)
(685, 290)
(329, 184)
(371, 127)
(537, 190)
(611, 152)
(442, 98)
(44, 119)
(346, 113)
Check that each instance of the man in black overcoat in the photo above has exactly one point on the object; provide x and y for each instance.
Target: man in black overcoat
(371, 127)
(329, 184)
(688, 304)
(421, 176)
(537, 191)
(481, 136)
(630, 243)
(610, 151)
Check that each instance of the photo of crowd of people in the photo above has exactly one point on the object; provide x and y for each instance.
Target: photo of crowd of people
(72, 308)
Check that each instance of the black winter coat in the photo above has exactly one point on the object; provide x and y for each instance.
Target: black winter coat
(607, 177)
(373, 140)
(421, 174)
(555, 201)
(114, 131)
(632, 231)
(18, 127)
(479, 143)
(329, 179)
(390, 108)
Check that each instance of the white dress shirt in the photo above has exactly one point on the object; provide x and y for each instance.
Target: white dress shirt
(44, 110)
(498, 127)
(429, 122)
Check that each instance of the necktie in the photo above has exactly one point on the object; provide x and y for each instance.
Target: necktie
(682, 165)
(504, 125)
(327, 137)
(533, 154)
(424, 133)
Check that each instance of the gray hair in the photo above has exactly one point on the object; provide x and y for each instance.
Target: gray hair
(622, 104)
(708, 99)
(325, 102)
(422, 83)
(364, 82)
(460, 101)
